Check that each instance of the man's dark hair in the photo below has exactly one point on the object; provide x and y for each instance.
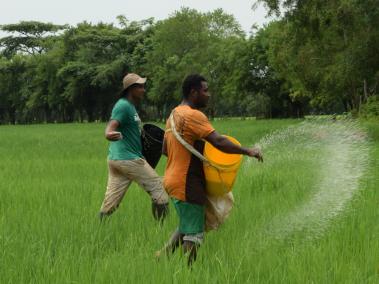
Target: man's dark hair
(192, 82)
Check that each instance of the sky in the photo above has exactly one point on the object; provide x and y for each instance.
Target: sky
(75, 11)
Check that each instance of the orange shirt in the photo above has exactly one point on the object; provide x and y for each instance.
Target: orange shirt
(184, 177)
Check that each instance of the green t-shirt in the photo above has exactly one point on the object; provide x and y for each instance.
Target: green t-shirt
(129, 147)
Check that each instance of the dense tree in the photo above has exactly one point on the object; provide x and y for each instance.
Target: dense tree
(328, 51)
(317, 57)
(29, 37)
(12, 80)
(190, 42)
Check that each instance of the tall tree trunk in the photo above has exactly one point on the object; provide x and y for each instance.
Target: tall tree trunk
(12, 115)
(104, 114)
(345, 105)
(68, 114)
(90, 116)
(365, 90)
(47, 111)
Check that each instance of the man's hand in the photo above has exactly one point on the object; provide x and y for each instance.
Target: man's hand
(255, 152)
(113, 135)
(110, 131)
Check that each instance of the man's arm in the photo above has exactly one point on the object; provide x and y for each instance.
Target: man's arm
(110, 131)
(225, 145)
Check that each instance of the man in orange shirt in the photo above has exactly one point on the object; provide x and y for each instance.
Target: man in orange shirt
(184, 178)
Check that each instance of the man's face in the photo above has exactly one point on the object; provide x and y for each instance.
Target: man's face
(137, 92)
(202, 96)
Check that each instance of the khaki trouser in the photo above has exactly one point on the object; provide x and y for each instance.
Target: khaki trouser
(121, 175)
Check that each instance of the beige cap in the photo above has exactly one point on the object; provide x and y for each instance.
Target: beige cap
(131, 79)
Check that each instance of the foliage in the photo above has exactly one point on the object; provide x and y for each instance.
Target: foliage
(316, 57)
(29, 37)
(371, 108)
(328, 51)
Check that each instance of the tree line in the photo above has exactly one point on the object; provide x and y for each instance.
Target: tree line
(317, 57)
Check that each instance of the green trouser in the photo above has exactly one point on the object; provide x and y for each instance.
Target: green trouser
(191, 220)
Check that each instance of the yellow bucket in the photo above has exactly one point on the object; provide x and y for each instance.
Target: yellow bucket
(222, 172)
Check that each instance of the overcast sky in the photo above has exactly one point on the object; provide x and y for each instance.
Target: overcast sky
(75, 11)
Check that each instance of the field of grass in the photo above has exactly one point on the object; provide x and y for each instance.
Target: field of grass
(308, 214)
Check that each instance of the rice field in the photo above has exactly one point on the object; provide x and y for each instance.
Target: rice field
(308, 214)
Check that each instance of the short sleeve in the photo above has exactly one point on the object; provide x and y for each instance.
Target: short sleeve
(200, 125)
(120, 113)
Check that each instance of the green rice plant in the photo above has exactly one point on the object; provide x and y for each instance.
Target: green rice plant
(281, 230)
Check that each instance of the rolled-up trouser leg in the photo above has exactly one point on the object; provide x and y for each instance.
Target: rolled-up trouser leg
(197, 238)
(118, 184)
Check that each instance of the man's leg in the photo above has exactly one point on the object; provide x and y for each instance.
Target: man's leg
(191, 244)
(118, 183)
(176, 239)
(190, 249)
(149, 180)
(159, 211)
(191, 226)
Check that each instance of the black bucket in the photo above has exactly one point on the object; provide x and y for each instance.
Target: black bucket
(152, 141)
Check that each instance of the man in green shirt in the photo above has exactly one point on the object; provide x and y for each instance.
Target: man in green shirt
(125, 160)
